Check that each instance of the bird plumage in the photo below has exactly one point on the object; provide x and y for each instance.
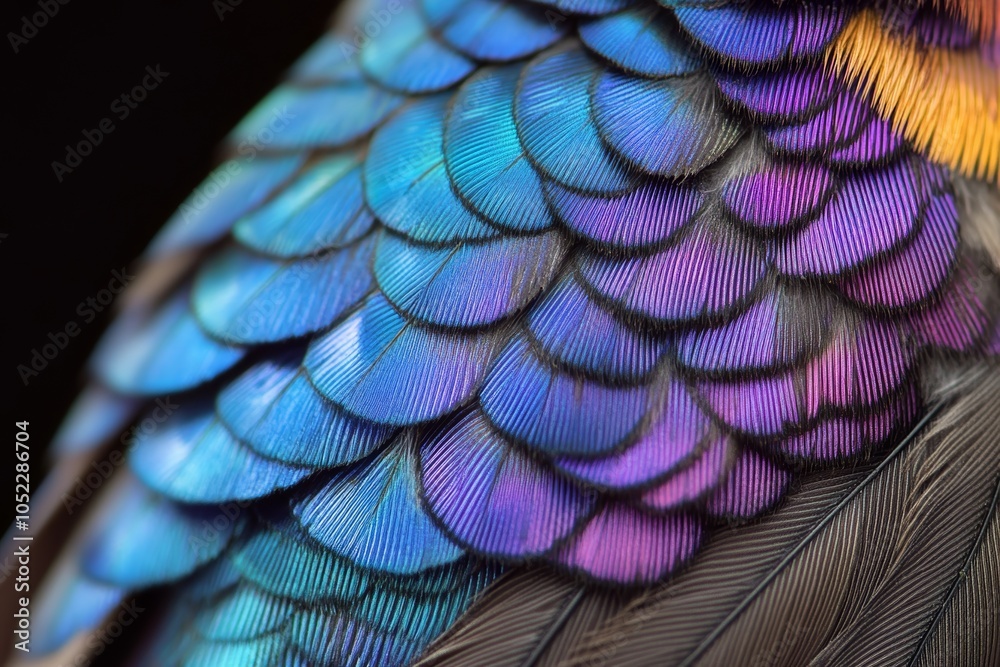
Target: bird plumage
(597, 325)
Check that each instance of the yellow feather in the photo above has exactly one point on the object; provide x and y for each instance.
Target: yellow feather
(945, 102)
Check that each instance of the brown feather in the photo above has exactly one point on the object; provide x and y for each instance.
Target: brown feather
(507, 623)
(968, 629)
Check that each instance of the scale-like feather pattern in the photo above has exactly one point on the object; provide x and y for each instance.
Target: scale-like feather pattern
(379, 366)
(277, 412)
(302, 114)
(228, 193)
(322, 209)
(144, 539)
(646, 215)
(569, 326)
(161, 352)
(641, 40)
(710, 269)
(492, 497)
(693, 481)
(778, 195)
(371, 515)
(781, 96)
(758, 34)
(669, 127)
(485, 160)
(409, 59)
(625, 546)
(243, 298)
(557, 413)
(496, 30)
(553, 119)
(499, 277)
(674, 437)
(574, 284)
(195, 459)
(406, 184)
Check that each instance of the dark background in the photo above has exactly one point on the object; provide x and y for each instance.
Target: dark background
(64, 239)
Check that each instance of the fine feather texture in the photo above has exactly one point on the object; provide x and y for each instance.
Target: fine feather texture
(575, 286)
(864, 565)
(883, 564)
(944, 102)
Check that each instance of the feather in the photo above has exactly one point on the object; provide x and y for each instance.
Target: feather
(229, 192)
(160, 352)
(872, 214)
(276, 411)
(194, 458)
(590, 287)
(512, 624)
(499, 277)
(406, 57)
(556, 412)
(710, 269)
(943, 101)
(406, 184)
(862, 564)
(640, 40)
(486, 163)
(303, 114)
(568, 326)
(277, 300)
(322, 209)
(758, 34)
(381, 367)
(490, 497)
(371, 515)
(492, 30)
(786, 95)
(669, 127)
(552, 115)
(646, 215)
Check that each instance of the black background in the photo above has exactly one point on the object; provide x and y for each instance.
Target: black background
(64, 239)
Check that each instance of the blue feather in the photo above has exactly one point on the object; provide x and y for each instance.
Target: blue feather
(380, 367)
(669, 127)
(231, 191)
(69, 603)
(405, 56)
(492, 30)
(293, 117)
(244, 298)
(287, 564)
(95, 416)
(142, 539)
(576, 332)
(324, 208)
(406, 184)
(193, 458)
(555, 412)
(485, 160)
(640, 40)
(552, 113)
(163, 352)
(277, 412)
(243, 612)
(371, 515)
(498, 277)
